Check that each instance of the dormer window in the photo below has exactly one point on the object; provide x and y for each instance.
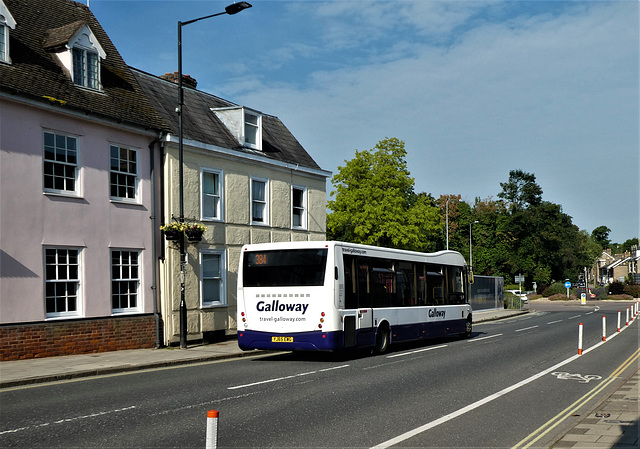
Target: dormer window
(86, 68)
(4, 42)
(79, 53)
(252, 130)
(245, 124)
(7, 22)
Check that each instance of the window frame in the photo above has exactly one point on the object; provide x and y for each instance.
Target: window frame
(265, 221)
(303, 208)
(88, 57)
(203, 195)
(138, 280)
(258, 129)
(64, 164)
(7, 23)
(77, 281)
(136, 188)
(4, 42)
(221, 278)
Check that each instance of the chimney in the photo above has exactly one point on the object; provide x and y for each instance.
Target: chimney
(187, 80)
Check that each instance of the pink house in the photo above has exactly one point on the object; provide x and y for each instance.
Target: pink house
(78, 148)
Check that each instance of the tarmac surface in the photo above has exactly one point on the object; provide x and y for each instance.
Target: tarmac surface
(613, 425)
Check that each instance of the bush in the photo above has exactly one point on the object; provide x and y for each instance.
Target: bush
(632, 290)
(600, 292)
(621, 297)
(616, 288)
(562, 297)
(512, 301)
(555, 289)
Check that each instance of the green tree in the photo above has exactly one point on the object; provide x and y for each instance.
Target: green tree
(520, 191)
(374, 202)
(600, 235)
(627, 245)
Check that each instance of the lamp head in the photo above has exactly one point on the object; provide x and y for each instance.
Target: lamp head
(235, 8)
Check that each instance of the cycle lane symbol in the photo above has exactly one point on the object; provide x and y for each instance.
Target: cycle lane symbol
(579, 377)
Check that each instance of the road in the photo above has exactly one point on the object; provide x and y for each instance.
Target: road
(506, 385)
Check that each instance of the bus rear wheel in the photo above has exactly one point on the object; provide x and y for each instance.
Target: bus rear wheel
(382, 340)
(468, 328)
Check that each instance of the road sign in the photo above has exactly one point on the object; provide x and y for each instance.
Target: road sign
(567, 284)
(519, 278)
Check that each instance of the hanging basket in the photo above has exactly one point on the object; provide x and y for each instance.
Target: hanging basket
(194, 235)
(172, 234)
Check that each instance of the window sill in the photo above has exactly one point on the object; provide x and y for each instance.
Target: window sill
(126, 312)
(213, 306)
(63, 317)
(125, 202)
(71, 195)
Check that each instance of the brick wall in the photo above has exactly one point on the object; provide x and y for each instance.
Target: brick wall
(26, 341)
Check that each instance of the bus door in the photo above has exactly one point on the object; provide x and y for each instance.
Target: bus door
(358, 315)
(365, 302)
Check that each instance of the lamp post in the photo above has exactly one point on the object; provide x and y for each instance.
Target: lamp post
(470, 244)
(447, 220)
(234, 8)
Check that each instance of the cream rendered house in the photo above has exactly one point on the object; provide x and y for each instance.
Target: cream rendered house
(248, 180)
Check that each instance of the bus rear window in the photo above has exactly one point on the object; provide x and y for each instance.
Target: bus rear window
(284, 268)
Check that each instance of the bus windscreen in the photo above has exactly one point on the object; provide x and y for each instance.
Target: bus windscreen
(284, 268)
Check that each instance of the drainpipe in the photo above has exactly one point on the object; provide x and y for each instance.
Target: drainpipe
(154, 229)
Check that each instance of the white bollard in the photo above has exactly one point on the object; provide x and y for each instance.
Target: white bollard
(580, 339)
(604, 328)
(212, 429)
(619, 321)
(627, 317)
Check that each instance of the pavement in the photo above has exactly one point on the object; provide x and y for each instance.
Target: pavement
(615, 424)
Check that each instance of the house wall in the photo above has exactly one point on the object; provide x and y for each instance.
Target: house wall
(31, 220)
(229, 234)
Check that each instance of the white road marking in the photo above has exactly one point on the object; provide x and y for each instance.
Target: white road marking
(415, 352)
(484, 338)
(66, 420)
(526, 328)
(293, 376)
(575, 316)
(579, 377)
(554, 322)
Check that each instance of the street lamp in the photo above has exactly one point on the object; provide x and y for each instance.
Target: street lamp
(470, 251)
(234, 8)
(447, 220)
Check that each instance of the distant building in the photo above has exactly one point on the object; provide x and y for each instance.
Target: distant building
(78, 141)
(247, 179)
(617, 267)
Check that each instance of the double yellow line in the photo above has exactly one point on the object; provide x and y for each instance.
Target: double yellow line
(563, 415)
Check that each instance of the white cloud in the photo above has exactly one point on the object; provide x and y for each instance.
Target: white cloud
(555, 94)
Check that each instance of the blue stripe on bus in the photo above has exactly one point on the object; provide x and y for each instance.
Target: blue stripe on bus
(302, 341)
(334, 341)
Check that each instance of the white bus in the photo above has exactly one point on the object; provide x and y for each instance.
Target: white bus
(331, 296)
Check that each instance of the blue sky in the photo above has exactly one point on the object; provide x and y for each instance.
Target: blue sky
(474, 88)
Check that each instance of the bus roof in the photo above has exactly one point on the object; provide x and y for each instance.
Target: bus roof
(447, 257)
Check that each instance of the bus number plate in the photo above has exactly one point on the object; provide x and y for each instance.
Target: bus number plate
(282, 339)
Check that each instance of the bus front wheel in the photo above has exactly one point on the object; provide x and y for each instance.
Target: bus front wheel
(382, 340)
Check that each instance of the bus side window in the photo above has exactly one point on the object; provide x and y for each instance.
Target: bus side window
(422, 287)
(350, 291)
(455, 285)
(406, 280)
